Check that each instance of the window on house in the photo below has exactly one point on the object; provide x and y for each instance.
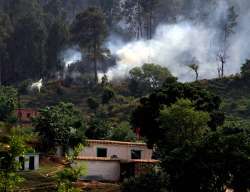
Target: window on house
(28, 115)
(136, 154)
(101, 152)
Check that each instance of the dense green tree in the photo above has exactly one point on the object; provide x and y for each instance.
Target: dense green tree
(146, 116)
(6, 30)
(98, 128)
(8, 102)
(18, 9)
(217, 161)
(61, 124)
(89, 30)
(9, 178)
(122, 132)
(57, 40)
(71, 173)
(145, 79)
(27, 49)
(107, 95)
(93, 104)
(245, 69)
(181, 123)
(54, 9)
(151, 182)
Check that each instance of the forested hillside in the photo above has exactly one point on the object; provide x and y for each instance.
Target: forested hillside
(42, 40)
(174, 74)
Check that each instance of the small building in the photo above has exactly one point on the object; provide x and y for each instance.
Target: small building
(113, 160)
(29, 161)
(25, 115)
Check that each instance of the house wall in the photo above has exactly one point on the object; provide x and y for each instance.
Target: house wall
(105, 170)
(26, 115)
(27, 160)
(123, 152)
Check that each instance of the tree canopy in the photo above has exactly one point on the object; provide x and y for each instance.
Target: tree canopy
(145, 79)
(147, 114)
(216, 161)
(61, 124)
(8, 102)
(89, 31)
(181, 123)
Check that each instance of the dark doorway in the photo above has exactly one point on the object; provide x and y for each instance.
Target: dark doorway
(21, 161)
(32, 163)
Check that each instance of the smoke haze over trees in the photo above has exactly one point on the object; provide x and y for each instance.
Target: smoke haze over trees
(35, 33)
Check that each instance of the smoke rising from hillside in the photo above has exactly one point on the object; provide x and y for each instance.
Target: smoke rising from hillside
(176, 45)
(70, 56)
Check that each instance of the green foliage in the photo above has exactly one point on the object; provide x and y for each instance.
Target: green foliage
(152, 182)
(10, 181)
(122, 132)
(61, 124)
(98, 128)
(73, 155)
(245, 69)
(93, 103)
(89, 30)
(71, 173)
(146, 116)
(9, 178)
(6, 30)
(181, 123)
(57, 40)
(107, 95)
(8, 102)
(145, 79)
(28, 42)
(216, 161)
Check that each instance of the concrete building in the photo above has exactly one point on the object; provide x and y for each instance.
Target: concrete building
(25, 115)
(112, 160)
(29, 161)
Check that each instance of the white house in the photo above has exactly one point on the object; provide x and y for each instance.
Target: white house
(29, 161)
(112, 160)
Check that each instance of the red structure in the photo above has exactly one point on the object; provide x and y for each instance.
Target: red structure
(138, 133)
(25, 115)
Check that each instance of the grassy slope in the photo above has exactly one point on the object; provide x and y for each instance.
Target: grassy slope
(235, 94)
(119, 109)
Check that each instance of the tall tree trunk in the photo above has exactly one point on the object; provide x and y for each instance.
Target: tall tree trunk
(197, 75)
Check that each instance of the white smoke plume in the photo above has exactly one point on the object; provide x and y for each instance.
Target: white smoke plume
(70, 56)
(176, 45)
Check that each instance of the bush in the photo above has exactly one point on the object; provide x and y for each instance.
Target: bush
(123, 132)
(152, 182)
